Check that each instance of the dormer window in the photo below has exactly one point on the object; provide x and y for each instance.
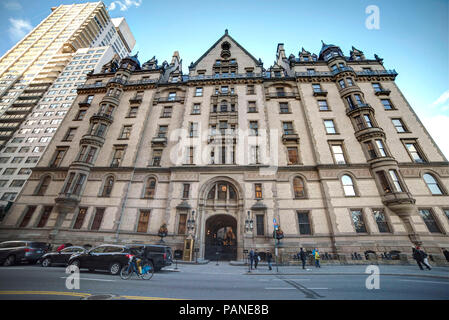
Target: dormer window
(306, 58)
(277, 74)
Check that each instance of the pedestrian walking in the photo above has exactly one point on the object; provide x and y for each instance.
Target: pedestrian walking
(256, 259)
(302, 255)
(251, 258)
(269, 258)
(317, 258)
(419, 256)
(424, 258)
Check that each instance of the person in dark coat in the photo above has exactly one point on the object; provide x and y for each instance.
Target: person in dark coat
(419, 256)
(269, 257)
(251, 258)
(256, 259)
(302, 256)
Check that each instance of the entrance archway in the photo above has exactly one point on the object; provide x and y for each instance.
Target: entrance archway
(221, 237)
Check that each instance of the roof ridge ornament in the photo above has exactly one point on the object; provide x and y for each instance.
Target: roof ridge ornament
(226, 31)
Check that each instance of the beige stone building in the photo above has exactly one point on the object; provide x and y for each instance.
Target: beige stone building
(324, 146)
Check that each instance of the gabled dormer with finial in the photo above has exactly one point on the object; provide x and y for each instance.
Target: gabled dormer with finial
(356, 55)
(281, 59)
(173, 71)
(225, 58)
(130, 63)
(305, 56)
(151, 64)
(112, 65)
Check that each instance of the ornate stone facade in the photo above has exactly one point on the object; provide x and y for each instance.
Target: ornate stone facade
(324, 145)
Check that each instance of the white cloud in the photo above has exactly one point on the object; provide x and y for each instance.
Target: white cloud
(124, 4)
(19, 28)
(12, 5)
(442, 99)
(437, 127)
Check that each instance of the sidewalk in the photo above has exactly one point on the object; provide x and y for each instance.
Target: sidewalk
(262, 270)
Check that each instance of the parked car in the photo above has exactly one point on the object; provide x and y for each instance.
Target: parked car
(114, 257)
(12, 252)
(161, 256)
(60, 257)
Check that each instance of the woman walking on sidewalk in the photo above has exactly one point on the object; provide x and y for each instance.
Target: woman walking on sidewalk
(269, 257)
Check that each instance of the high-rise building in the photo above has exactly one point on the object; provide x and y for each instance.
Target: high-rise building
(320, 150)
(36, 60)
(52, 56)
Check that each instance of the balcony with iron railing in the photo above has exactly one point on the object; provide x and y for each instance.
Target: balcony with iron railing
(341, 69)
(279, 94)
(117, 80)
(361, 107)
(319, 93)
(159, 140)
(382, 92)
(169, 99)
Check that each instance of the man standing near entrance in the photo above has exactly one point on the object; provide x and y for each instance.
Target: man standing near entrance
(302, 255)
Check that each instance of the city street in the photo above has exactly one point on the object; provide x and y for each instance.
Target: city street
(226, 282)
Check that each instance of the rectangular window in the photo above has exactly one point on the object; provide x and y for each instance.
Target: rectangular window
(80, 115)
(167, 112)
(144, 219)
(387, 104)
(399, 125)
(254, 155)
(415, 152)
(185, 190)
(384, 182)
(182, 223)
(69, 134)
(58, 156)
(381, 148)
(370, 148)
(258, 190)
(79, 184)
(250, 89)
(330, 126)
(118, 156)
(157, 155)
(260, 225)
(322, 104)
(316, 87)
(44, 217)
(287, 128)
(193, 129)
(126, 132)
(337, 152)
(381, 220)
(91, 155)
(377, 87)
(27, 217)
(429, 220)
(304, 223)
(80, 218)
(162, 131)
(252, 107)
(359, 223)
(292, 155)
(254, 128)
(283, 107)
(133, 112)
(98, 218)
(198, 92)
(17, 183)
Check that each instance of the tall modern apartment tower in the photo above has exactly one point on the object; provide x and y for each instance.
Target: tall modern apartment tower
(37, 65)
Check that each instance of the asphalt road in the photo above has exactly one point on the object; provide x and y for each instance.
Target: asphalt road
(211, 282)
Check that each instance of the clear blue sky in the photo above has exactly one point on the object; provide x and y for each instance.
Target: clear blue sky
(413, 36)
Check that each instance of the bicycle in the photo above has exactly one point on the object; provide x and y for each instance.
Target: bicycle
(144, 271)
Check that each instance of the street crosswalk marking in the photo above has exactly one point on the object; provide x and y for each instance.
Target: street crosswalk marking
(93, 279)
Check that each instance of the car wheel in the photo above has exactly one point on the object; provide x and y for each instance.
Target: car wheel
(10, 260)
(46, 262)
(115, 268)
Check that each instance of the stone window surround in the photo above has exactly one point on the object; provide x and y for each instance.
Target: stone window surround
(365, 220)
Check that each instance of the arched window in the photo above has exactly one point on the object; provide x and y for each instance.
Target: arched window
(107, 187)
(222, 191)
(432, 184)
(42, 188)
(348, 186)
(150, 188)
(298, 187)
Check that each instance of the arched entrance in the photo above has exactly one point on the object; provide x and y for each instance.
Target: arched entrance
(221, 237)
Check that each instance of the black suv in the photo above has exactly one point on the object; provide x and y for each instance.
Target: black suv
(114, 257)
(12, 252)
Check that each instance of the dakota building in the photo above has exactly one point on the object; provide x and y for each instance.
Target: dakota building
(325, 146)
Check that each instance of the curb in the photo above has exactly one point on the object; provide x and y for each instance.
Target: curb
(348, 274)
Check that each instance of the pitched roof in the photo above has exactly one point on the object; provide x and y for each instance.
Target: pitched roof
(217, 42)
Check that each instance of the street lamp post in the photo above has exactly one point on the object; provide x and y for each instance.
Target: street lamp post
(249, 225)
(191, 227)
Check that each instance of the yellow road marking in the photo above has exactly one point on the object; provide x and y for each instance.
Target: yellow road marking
(56, 293)
(78, 294)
